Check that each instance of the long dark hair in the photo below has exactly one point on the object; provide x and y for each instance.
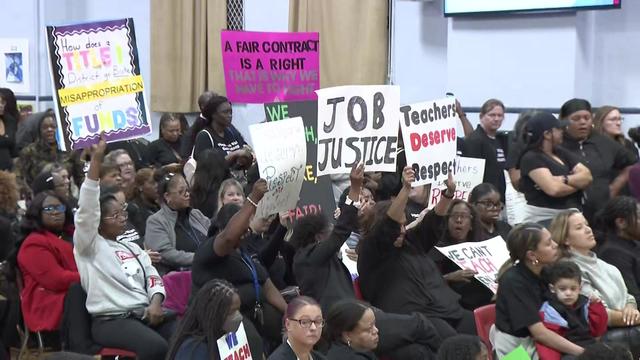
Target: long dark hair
(476, 232)
(11, 106)
(32, 220)
(619, 207)
(306, 229)
(343, 316)
(212, 169)
(205, 317)
(522, 238)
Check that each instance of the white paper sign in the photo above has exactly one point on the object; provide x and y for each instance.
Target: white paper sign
(234, 346)
(14, 58)
(281, 151)
(351, 265)
(469, 173)
(485, 257)
(357, 124)
(514, 202)
(429, 135)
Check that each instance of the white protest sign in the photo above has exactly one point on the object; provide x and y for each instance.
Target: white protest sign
(485, 257)
(351, 265)
(514, 202)
(281, 151)
(469, 173)
(429, 134)
(357, 124)
(234, 346)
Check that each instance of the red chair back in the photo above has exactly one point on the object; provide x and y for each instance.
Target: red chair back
(485, 317)
(356, 288)
(177, 286)
(112, 352)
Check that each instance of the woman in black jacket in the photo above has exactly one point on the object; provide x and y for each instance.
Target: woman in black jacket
(166, 150)
(351, 330)
(9, 116)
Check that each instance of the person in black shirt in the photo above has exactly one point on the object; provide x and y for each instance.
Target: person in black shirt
(552, 178)
(396, 273)
(211, 171)
(608, 161)
(516, 147)
(218, 133)
(145, 201)
(486, 200)
(521, 292)
(618, 234)
(608, 121)
(166, 150)
(222, 257)
(486, 143)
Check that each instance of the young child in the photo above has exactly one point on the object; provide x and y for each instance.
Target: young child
(567, 312)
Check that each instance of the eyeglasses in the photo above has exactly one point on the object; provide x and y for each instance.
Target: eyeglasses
(617, 119)
(125, 164)
(490, 204)
(122, 214)
(306, 323)
(54, 208)
(463, 216)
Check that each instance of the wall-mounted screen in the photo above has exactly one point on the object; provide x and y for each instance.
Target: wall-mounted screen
(470, 7)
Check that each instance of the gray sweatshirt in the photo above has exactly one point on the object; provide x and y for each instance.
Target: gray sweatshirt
(161, 236)
(109, 272)
(603, 280)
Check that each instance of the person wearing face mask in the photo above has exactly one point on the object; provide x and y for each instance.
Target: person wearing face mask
(224, 256)
(487, 143)
(166, 150)
(46, 261)
(176, 230)
(552, 178)
(396, 273)
(303, 324)
(213, 312)
(608, 160)
(351, 330)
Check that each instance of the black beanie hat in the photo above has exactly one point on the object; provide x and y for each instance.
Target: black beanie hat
(572, 106)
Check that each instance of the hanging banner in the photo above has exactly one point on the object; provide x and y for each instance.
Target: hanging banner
(282, 163)
(358, 124)
(429, 135)
(97, 83)
(262, 67)
(14, 58)
(316, 195)
(485, 257)
(469, 173)
(233, 346)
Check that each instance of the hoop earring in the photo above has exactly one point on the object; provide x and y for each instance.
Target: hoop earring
(535, 262)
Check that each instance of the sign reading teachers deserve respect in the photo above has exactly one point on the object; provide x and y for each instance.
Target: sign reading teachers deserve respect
(281, 151)
(262, 67)
(357, 124)
(469, 173)
(429, 134)
(485, 257)
(98, 87)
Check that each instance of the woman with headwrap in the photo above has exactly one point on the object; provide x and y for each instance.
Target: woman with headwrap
(607, 159)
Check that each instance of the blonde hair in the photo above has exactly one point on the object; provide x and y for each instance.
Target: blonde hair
(226, 184)
(559, 230)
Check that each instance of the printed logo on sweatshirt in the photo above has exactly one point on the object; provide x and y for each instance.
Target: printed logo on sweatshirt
(124, 255)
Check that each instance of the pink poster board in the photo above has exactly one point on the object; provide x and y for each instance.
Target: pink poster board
(264, 67)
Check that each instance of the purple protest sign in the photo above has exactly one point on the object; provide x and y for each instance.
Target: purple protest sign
(264, 67)
(97, 83)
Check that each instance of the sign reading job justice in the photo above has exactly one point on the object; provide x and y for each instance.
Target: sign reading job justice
(98, 86)
(357, 124)
(263, 67)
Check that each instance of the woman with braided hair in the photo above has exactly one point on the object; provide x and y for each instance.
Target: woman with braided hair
(214, 311)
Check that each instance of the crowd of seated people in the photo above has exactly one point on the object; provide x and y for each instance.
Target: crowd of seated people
(113, 220)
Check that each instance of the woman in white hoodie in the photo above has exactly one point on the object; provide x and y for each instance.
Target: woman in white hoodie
(124, 291)
(600, 279)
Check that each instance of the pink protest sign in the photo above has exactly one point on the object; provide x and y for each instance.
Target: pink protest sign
(264, 67)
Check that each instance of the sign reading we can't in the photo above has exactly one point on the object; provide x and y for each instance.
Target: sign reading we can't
(262, 67)
(357, 124)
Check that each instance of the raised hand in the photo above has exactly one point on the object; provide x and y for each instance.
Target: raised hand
(408, 176)
(259, 189)
(357, 176)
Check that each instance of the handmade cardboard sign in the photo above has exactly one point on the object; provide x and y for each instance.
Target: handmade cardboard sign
(235, 346)
(468, 172)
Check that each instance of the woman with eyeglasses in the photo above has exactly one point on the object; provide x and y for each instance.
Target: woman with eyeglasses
(552, 179)
(213, 312)
(351, 330)
(454, 221)
(46, 261)
(486, 200)
(303, 323)
(608, 121)
(176, 230)
(124, 291)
